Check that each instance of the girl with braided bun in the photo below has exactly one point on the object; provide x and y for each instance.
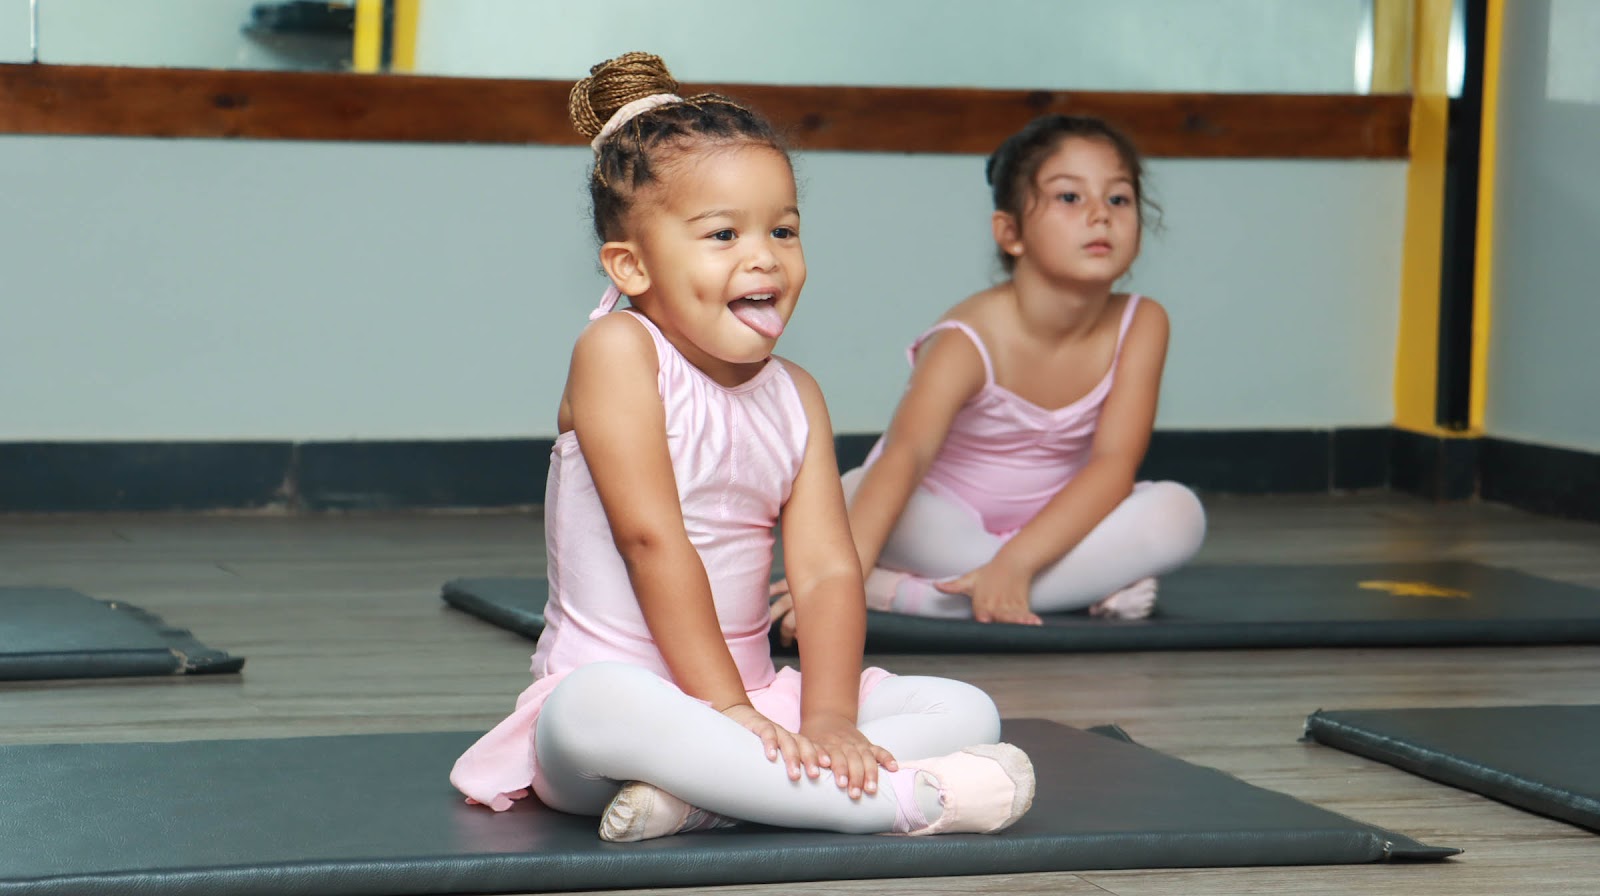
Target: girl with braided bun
(684, 441)
(1004, 485)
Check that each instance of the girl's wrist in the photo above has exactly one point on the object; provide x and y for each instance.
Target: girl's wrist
(1015, 561)
(808, 720)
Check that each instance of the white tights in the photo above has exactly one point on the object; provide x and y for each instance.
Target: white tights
(609, 723)
(1155, 530)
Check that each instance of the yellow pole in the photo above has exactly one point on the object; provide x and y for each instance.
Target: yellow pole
(1391, 45)
(367, 54)
(1417, 361)
(407, 18)
(1483, 256)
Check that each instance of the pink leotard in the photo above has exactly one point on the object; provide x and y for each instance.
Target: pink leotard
(735, 454)
(1005, 457)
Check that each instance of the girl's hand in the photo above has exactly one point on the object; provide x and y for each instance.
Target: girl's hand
(853, 759)
(781, 609)
(998, 592)
(797, 751)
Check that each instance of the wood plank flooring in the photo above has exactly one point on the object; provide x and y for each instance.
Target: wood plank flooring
(340, 619)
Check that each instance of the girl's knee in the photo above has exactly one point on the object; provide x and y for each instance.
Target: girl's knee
(971, 708)
(1178, 517)
(851, 481)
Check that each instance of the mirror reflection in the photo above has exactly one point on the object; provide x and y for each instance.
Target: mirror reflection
(1257, 46)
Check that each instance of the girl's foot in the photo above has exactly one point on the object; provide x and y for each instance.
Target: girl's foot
(643, 811)
(979, 790)
(781, 611)
(883, 587)
(1136, 601)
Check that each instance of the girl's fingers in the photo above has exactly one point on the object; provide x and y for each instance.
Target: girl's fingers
(791, 753)
(885, 758)
(955, 586)
(861, 772)
(808, 756)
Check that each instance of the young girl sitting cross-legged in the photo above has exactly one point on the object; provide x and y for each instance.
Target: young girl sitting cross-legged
(1005, 484)
(655, 704)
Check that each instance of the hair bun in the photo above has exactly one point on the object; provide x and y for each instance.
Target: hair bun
(613, 84)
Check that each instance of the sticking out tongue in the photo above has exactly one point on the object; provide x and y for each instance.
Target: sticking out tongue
(761, 316)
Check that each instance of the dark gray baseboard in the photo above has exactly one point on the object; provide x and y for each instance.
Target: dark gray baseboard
(52, 477)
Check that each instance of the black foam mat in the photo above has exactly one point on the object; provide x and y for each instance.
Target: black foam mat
(374, 814)
(1209, 607)
(1539, 758)
(61, 633)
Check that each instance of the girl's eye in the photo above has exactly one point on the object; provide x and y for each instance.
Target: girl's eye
(1122, 200)
(785, 233)
(723, 235)
(1068, 197)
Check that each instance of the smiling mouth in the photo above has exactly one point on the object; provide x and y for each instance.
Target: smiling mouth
(759, 312)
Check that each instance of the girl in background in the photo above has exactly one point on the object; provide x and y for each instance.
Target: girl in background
(1004, 485)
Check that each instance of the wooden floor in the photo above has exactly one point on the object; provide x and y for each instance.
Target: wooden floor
(340, 619)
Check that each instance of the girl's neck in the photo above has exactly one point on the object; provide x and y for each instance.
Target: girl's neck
(1060, 310)
(727, 374)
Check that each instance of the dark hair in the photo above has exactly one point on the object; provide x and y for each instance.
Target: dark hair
(634, 155)
(1011, 169)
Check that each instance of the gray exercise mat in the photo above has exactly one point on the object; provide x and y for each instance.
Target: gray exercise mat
(1209, 607)
(374, 814)
(61, 633)
(1539, 758)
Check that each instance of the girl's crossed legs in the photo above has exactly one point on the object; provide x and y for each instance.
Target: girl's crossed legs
(1155, 530)
(610, 723)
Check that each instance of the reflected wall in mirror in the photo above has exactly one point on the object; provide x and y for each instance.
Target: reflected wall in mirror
(1225, 46)
(1571, 72)
(16, 31)
(298, 35)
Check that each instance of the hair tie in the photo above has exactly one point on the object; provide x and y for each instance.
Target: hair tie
(630, 111)
(607, 302)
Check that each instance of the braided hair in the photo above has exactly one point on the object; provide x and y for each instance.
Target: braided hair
(635, 154)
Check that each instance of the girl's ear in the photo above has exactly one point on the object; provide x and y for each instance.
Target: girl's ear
(625, 268)
(1007, 234)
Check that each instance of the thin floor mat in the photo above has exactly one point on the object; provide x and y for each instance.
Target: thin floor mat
(1210, 607)
(60, 633)
(373, 814)
(1539, 758)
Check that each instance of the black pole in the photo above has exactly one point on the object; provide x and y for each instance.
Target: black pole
(386, 51)
(1453, 396)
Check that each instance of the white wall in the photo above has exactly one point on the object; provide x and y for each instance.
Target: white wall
(194, 289)
(16, 31)
(172, 33)
(1275, 46)
(1543, 363)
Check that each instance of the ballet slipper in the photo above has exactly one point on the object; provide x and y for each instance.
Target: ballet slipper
(882, 585)
(643, 811)
(1136, 601)
(982, 789)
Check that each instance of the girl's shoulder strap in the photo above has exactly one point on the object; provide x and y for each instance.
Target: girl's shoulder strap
(1127, 321)
(655, 334)
(1127, 315)
(977, 342)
